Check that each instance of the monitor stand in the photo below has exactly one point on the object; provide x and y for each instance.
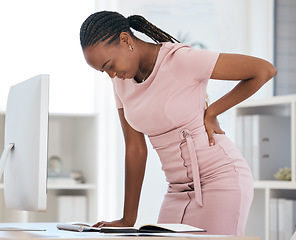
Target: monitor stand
(3, 161)
(4, 157)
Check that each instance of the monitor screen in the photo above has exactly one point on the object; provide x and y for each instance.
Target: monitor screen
(24, 159)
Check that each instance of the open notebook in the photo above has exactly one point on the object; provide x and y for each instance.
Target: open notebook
(147, 228)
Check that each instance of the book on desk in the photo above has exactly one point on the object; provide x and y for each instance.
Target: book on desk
(147, 228)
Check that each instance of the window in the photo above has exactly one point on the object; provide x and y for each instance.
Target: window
(285, 46)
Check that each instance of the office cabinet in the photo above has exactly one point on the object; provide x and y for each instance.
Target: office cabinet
(282, 130)
(72, 140)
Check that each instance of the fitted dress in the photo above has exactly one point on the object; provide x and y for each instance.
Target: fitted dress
(209, 187)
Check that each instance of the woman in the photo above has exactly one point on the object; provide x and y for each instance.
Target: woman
(160, 91)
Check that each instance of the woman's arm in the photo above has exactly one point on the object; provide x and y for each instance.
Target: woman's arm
(135, 163)
(252, 72)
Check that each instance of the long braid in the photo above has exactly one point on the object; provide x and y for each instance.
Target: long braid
(107, 25)
(140, 24)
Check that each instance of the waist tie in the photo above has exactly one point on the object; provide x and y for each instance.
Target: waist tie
(163, 141)
(194, 165)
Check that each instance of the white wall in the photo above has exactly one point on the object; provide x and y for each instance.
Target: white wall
(238, 26)
(42, 37)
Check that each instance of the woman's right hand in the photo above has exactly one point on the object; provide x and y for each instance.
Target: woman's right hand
(117, 223)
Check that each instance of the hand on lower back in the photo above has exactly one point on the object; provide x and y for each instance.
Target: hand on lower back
(212, 126)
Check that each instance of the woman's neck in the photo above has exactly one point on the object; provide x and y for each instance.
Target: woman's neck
(148, 56)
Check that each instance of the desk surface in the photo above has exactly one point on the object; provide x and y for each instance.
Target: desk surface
(53, 233)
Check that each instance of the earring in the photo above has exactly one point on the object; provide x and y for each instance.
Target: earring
(131, 47)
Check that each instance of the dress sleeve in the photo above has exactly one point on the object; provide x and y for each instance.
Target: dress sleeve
(117, 99)
(189, 64)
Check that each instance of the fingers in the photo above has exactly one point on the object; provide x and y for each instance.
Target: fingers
(211, 138)
(99, 224)
(212, 126)
(96, 225)
(217, 129)
(211, 135)
(220, 131)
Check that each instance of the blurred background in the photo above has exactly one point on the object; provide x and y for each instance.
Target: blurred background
(42, 37)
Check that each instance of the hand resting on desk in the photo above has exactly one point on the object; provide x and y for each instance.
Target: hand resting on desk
(117, 223)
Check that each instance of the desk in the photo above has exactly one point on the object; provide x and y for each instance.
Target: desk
(52, 233)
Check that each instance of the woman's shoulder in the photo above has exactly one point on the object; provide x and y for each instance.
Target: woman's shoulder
(184, 59)
(174, 52)
(183, 52)
(173, 47)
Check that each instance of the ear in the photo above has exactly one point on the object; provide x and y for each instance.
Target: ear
(125, 39)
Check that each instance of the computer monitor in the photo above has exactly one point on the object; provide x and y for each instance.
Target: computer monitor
(24, 159)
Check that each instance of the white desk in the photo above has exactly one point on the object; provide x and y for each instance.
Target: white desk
(53, 233)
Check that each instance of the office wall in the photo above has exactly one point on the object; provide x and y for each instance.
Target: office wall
(42, 37)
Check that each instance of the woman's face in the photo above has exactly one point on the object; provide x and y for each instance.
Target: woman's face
(115, 59)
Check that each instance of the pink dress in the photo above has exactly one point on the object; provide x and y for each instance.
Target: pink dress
(209, 187)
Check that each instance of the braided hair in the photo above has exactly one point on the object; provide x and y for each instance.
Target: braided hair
(107, 25)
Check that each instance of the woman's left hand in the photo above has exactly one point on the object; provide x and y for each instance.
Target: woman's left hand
(212, 126)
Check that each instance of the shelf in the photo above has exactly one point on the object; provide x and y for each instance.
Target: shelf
(278, 107)
(274, 185)
(87, 186)
(57, 114)
(72, 115)
(276, 100)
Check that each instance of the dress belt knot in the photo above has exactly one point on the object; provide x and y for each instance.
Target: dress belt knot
(186, 134)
